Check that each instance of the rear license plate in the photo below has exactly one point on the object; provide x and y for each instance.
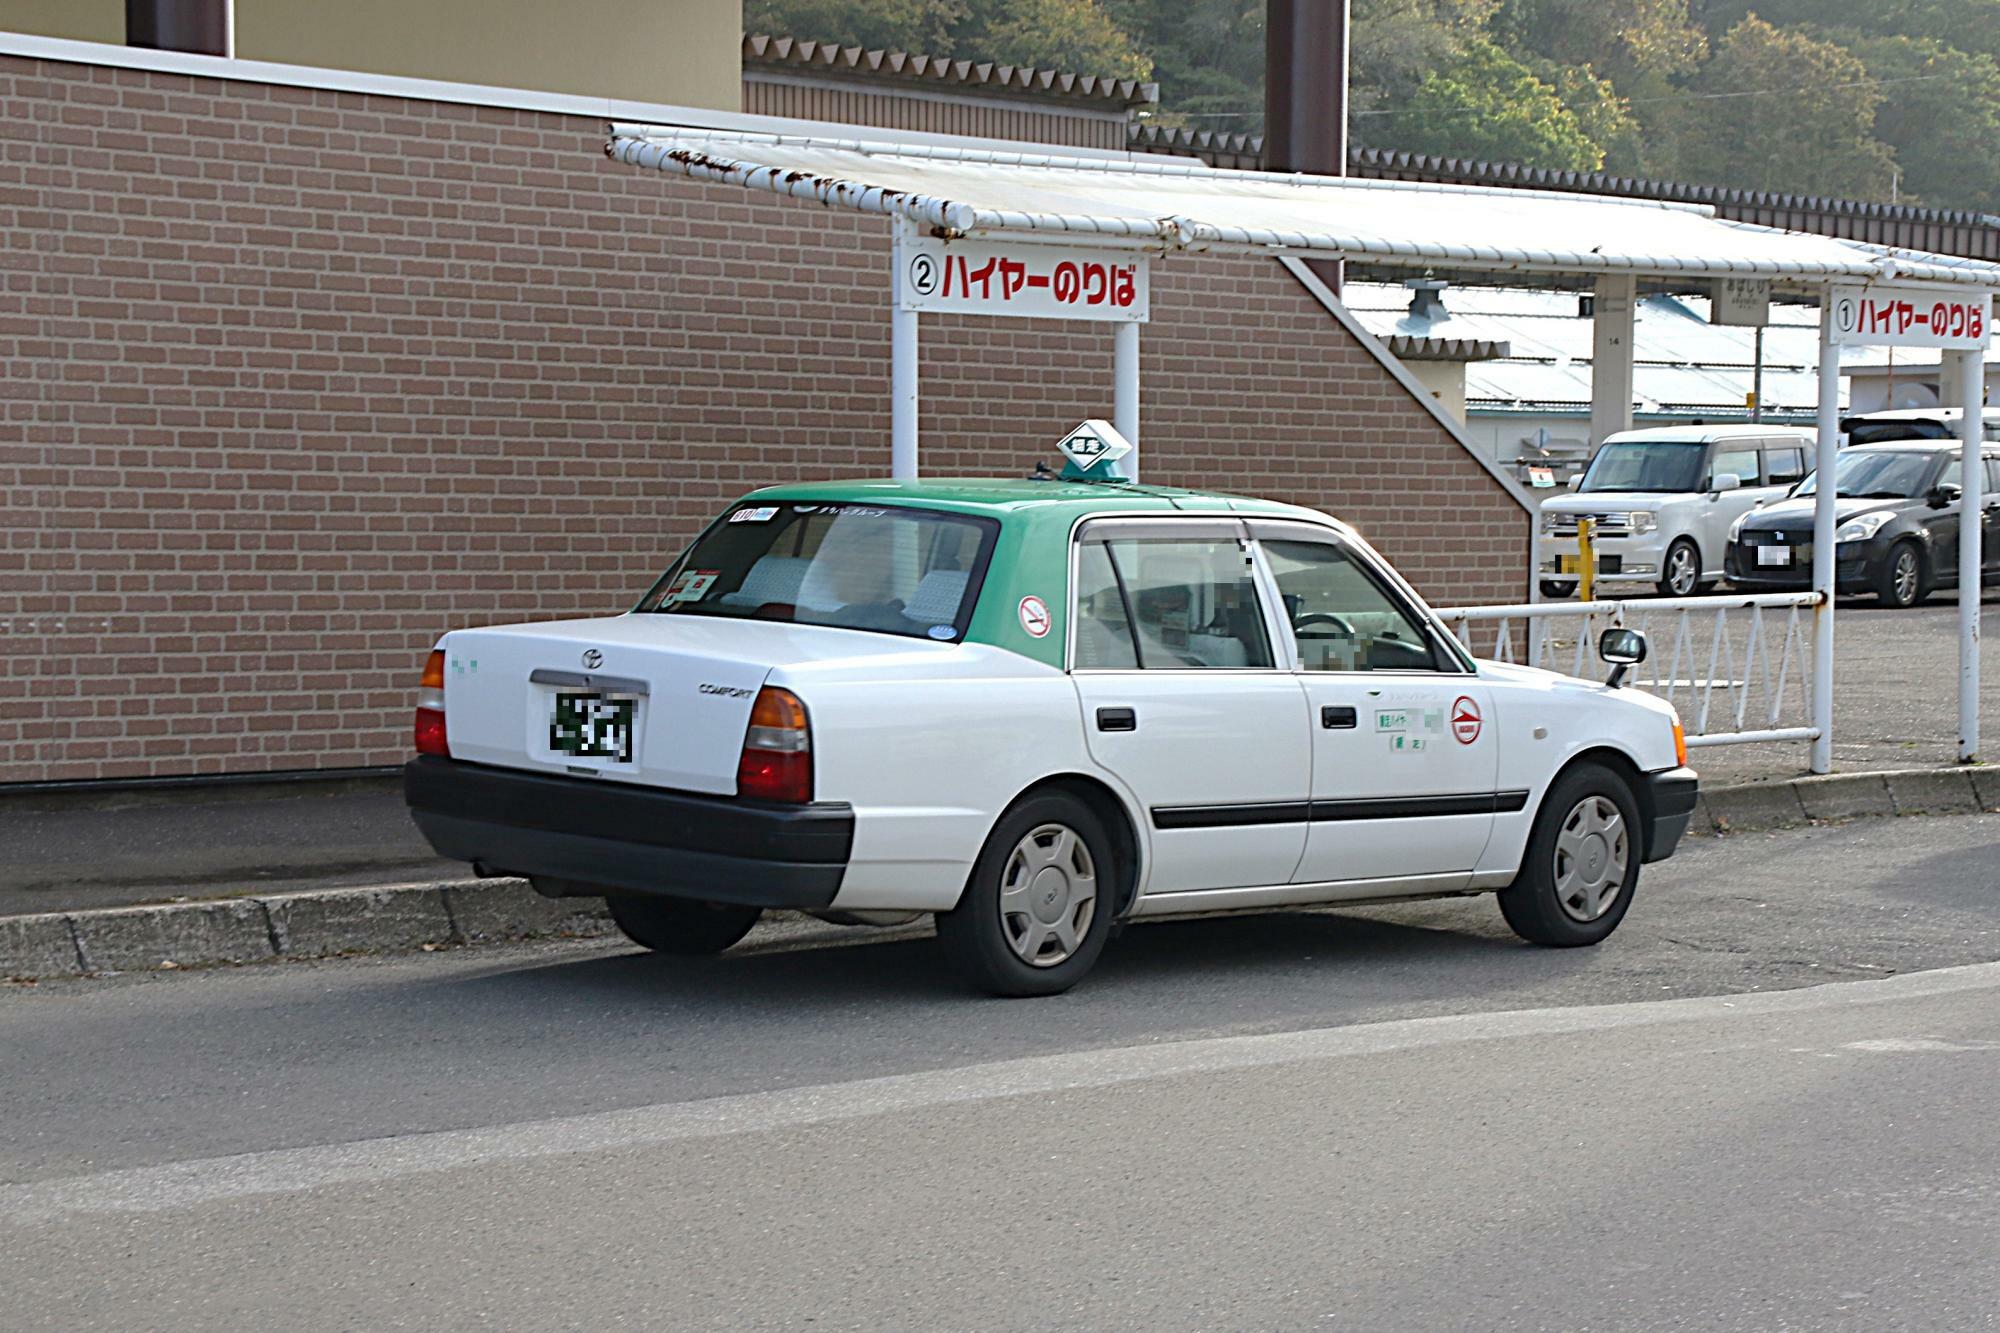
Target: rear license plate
(1774, 555)
(590, 725)
(1568, 564)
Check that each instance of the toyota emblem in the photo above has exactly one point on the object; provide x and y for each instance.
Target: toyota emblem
(592, 659)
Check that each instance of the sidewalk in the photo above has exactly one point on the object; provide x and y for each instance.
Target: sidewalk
(69, 851)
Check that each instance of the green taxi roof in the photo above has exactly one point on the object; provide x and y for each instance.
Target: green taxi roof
(997, 496)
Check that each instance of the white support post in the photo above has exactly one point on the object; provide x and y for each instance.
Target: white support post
(1824, 509)
(1125, 391)
(902, 366)
(1971, 525)
(1611, 356)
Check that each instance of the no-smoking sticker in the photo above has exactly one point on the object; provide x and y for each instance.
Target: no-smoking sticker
(1464, 720)
(1035, 617)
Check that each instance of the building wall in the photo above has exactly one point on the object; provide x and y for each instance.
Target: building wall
(76, 20)
(932, 112)
(293, 380)
(687, 52)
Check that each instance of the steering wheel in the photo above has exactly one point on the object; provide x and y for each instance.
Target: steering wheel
(1344, 629)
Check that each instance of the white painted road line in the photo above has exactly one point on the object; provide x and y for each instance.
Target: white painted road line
(296, 1170)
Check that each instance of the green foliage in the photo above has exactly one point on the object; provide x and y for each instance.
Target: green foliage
(1778, 109)
(1489, 105)
(1839, 97)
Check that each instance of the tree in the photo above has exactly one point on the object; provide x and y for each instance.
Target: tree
(898, 25)
(1077, 35)
(1620, 38)
(1940, 113)
(1488, 105)
(1778, 109)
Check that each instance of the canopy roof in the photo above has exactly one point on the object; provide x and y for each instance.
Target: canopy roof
(1182, 204)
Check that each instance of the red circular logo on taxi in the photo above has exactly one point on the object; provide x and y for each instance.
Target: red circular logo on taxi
(1465, 720)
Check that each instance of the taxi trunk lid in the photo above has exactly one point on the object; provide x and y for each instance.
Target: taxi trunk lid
(658, 700)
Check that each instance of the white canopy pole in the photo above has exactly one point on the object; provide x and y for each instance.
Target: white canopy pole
(1125, 392)
(902, 367)
(1971, 523)
(1824, 508)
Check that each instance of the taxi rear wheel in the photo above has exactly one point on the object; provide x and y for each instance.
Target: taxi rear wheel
(680, 926)
(1037, 907)
(1582, 863)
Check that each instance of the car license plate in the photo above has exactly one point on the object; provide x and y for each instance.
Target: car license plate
(591, 725)
(1568, 564)
(1774, 555)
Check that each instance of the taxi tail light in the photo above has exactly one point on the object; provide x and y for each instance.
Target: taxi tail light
(1680, 745)
(777, 750)
(430, 734)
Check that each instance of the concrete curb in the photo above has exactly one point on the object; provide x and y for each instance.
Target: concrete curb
(401, 918)
(318, 923)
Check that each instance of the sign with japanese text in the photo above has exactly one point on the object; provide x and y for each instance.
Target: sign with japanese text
(1879, 315)
(1041, 281)
(1741, 303)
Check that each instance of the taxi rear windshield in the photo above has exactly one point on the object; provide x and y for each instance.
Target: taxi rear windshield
(914, 572)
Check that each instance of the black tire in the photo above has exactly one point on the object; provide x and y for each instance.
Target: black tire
(1557, 592)
(681, 926)
(1688, 573)
(1534, 904)
(1903, 582)
(979, 937)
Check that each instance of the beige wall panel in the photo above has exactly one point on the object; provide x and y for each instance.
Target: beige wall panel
(77, 20)
(687, 52)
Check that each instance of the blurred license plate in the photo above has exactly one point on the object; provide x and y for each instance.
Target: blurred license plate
(1774, 555)
(1568, 564)
(590, 725)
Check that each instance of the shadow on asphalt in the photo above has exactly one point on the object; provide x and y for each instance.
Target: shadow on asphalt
(1174, 955)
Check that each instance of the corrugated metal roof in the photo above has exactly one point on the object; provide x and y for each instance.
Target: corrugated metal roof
(1182, 204)
(1948, 230)
(1682, 365)
(937, 71)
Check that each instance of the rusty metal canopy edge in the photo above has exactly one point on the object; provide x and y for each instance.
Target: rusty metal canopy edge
(1167, 204)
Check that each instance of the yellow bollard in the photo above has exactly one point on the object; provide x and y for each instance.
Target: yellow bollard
(1586, 559)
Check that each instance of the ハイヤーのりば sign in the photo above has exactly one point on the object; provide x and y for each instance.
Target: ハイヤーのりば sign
(1039, 281)
(1882, 315)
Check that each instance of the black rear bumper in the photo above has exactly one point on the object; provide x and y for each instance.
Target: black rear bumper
(1666, 805)
(612, 835)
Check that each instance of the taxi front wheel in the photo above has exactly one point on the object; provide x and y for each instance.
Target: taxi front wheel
(1037, 907)
(679, 926)
(1582, 862)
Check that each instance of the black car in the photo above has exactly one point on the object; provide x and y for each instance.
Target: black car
(1896, 531)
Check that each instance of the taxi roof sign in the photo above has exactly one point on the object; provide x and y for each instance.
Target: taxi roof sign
(1093, 450)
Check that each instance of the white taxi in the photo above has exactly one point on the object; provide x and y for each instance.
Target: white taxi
(1035, 709)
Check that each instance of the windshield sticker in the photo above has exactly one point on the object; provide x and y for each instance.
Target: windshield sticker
(764, 515)
(942, 632)
(690, 584)
(1035, 617)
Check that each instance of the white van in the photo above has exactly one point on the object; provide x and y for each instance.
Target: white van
(1664, 501)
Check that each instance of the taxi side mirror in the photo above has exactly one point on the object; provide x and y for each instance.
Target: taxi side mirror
(1725, 481)
(1622, 648)
(1576, 481)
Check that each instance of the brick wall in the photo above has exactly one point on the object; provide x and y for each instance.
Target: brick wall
(293, 380)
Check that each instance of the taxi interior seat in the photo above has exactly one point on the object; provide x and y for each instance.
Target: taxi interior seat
(937, 596)
(774, 578)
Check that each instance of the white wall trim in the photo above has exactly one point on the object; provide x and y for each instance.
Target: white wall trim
(1310, 281)
(607, 109)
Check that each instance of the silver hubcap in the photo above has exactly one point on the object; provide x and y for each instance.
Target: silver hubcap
(1681, 571)
(1048, 895)
(1591, 854)
(1906, 576)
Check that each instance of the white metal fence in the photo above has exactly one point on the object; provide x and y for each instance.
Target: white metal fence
(1739, 668)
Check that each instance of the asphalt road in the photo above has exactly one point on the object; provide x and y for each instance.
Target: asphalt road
(1754, 1107)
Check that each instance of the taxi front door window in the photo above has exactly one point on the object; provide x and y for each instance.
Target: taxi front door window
(1341, 619)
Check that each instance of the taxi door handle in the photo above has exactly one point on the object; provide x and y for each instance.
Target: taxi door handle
(1117, 719)
(1338, 717)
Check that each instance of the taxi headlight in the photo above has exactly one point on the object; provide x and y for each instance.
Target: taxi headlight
(1548, 524)
(1643, 521)
(1861, 529)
